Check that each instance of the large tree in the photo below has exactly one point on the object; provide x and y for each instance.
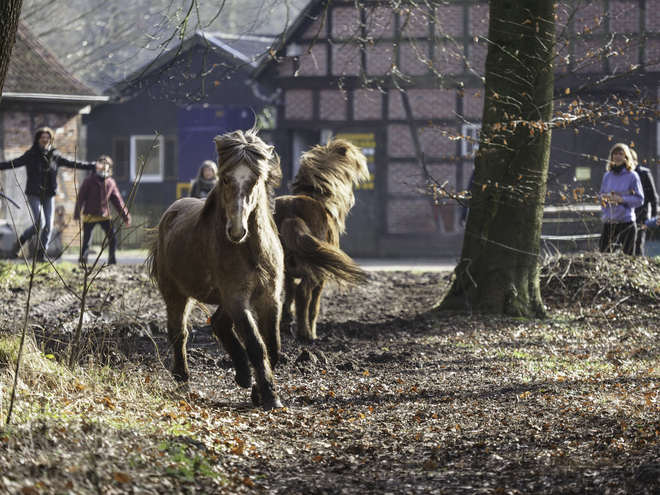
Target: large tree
(10, 12)
(499, 268)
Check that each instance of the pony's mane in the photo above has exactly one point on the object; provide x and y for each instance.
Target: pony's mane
(327, 173)
(248, 148)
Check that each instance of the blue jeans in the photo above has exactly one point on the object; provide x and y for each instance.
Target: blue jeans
(42, 221)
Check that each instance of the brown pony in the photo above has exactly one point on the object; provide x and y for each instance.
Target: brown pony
(226, 251)
(310, 223)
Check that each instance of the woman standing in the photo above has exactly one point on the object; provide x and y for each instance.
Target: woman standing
(621, 192)
(41, 162)
(205, 180)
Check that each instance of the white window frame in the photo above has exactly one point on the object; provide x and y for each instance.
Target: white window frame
(159, 149)
(469, 148)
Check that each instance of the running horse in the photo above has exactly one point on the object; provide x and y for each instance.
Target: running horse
(310, 222)
(225, 251)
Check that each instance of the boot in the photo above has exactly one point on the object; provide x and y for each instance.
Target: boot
(16, 249)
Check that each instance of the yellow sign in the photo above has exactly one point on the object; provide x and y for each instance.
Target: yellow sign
(367, 142)
(183, 189)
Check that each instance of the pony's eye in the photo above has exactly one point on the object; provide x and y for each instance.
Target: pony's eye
(224, 181)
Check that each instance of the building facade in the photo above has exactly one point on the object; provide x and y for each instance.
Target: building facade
(407, 82)
(39, 91)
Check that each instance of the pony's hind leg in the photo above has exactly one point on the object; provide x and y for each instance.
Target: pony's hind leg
(246, 327)
(222, 328)
(286, 323)
(315, 306)
(177, 333)
(303, 299)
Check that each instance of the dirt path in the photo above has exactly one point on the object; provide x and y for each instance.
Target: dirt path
(393, 400)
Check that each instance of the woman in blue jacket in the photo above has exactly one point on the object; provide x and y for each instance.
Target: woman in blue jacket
(620, 193)
(41, 162)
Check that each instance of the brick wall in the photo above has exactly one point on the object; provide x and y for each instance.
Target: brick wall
(624, 17)
(449, 58)
(473, 104)
(477, 52)
(18, 134)
(449, 20)
(586, 55)
(313, 62)
(399, 141)
(380, 23)
(435, 143)
(317, 30)
(332, 104)
(411, 179)
(414, 58)
(346, 59)
(589, 17)
(653, 55)
(404, 178)
(652, 15)
(396, 109)
(298, 104)
(367, 104)
(432, 103)
(345, 23)
(443, 173)
(285, 69)
(414, 22)
(380, 58)
(410, 216)
(623, 56)
(478, 20)
(563, 15)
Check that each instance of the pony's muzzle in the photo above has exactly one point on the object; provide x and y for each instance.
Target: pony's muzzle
(236, 234)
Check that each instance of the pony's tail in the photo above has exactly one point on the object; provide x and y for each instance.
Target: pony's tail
(152, 245)
(315, 259)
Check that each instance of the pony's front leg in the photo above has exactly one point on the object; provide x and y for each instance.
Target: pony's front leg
(222, 329)
(246, 327)
(177, 334)
(269, 328)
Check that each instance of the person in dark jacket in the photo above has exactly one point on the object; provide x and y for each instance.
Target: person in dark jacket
(650, 207)
(41, 162)
(94, 196)
(205, 180)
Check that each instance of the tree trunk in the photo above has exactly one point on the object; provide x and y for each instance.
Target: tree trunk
(499, 268)
(10, 12)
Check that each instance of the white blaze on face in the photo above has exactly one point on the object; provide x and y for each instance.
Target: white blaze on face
(242, 180)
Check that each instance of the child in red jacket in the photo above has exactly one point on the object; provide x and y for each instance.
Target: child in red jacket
(94, 196)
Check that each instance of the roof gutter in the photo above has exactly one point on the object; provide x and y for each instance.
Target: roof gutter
(45, 97)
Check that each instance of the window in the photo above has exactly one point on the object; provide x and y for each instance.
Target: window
(470, 141)
(147, 158)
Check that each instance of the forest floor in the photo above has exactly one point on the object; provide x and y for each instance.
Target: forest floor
(392, 398)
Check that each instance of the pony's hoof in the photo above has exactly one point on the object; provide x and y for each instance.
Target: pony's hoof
(181, 376)
(183, 388)
(244, 379)
(255, 396)
(305, 339)
(273, 404)
(286, 325)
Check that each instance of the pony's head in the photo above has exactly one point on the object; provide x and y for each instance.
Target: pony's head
(328, 173)
(248, 171)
